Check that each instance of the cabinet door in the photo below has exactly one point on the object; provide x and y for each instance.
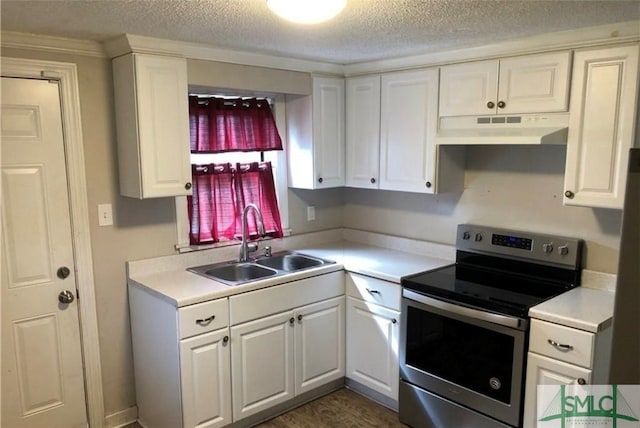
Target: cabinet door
(409, 115)
(262, 364)
(319, 344)
(372, 346)
(152, 115)
(467, 89)
(601, 126)
(363, 132)
(534, 83)
(328, 132)
(205, 367)
(547, 371)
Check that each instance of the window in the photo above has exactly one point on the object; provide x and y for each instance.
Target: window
(277, 160)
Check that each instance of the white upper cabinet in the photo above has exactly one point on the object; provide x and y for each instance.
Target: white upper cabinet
(525, 84)
(315, 130)
(601, 126)
(363, 132)
(152, 116)
(409, 116)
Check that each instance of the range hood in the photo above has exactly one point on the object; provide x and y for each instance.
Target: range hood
(525, 129)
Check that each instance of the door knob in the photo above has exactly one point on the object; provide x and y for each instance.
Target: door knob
(65, 297)
(63, 272)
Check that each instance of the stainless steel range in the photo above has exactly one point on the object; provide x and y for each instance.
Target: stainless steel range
(465, 326)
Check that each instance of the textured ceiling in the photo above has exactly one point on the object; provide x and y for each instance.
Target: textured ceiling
(366, 30)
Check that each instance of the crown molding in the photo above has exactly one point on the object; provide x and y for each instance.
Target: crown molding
(127, 43)
(572, 39)
(39, 42)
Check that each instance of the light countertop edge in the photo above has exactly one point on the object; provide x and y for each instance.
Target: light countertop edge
(583, 308)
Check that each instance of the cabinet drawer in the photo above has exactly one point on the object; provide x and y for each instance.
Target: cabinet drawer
(259, 303)
(374, 290)
(581, 343)
(203, 317)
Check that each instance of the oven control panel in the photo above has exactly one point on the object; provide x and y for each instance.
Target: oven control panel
(551, 249)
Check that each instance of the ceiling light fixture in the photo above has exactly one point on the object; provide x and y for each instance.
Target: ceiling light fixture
(306, 11)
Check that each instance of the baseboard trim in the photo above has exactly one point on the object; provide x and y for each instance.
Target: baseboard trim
(122, 418)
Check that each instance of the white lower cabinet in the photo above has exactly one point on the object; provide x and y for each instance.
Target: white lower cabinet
(181, 360)
(276, 357)
(205, 364)
(373, 333)
(563, 355)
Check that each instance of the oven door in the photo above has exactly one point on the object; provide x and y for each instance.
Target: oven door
(468, 356)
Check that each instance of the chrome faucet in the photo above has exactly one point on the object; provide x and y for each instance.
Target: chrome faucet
(247, 247)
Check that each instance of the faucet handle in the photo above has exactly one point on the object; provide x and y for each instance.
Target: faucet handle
(267, 251)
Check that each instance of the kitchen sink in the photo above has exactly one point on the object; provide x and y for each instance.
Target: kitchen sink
(290, 262)
(278, 264)
(240, 272)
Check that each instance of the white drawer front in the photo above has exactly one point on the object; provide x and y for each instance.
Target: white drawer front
(374, 290)
(203, 317)
(547, 339)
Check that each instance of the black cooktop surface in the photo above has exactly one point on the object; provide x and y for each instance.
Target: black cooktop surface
(497, 290)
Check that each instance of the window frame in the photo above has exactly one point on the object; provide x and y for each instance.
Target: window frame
(278, 159)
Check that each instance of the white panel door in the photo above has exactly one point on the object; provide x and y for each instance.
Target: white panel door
(547, 371)
(372, 346)
(205, 367)
(601, 126)
(469, 89)
(319, 344)
(534, 83)
(42, 375)
(408, 122)
(363, 132)
(328, 131)
(262, 363)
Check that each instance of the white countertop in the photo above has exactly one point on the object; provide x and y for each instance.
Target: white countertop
(181, 287)
(583, 308)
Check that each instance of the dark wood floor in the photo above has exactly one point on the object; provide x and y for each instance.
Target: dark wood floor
(340, 409)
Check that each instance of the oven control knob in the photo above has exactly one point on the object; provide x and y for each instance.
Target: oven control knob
(466, 236)
(563, 250)
(478, 237)
(547, 248)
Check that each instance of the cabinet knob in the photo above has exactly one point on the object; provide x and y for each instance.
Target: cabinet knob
(394, 321)
(569, 194)
(373, 180)
(428, 184)
(581, 381)
(320, 180)
(225, 339)
(187, 186)
(300, 317)
(491, 104)
(502, 104)
(292, 320)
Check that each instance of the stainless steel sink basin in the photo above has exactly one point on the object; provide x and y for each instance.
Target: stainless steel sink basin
(278, 264)
(290, 262)
(240, 272)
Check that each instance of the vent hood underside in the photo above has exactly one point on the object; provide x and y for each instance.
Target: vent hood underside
(507, 130)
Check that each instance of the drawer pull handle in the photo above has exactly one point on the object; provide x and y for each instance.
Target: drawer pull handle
(205, 321)
(560, 346)
(372, 291)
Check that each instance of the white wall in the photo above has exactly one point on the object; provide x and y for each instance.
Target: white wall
(512, 187)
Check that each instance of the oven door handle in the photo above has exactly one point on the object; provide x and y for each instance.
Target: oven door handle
(504, 320)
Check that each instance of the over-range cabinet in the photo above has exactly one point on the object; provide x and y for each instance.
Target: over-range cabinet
(464, 327)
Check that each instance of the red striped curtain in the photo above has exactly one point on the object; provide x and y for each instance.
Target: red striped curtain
(225, 125)
(220, 193)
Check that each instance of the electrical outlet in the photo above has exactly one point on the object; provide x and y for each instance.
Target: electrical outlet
(311, 213)
(105, 215)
